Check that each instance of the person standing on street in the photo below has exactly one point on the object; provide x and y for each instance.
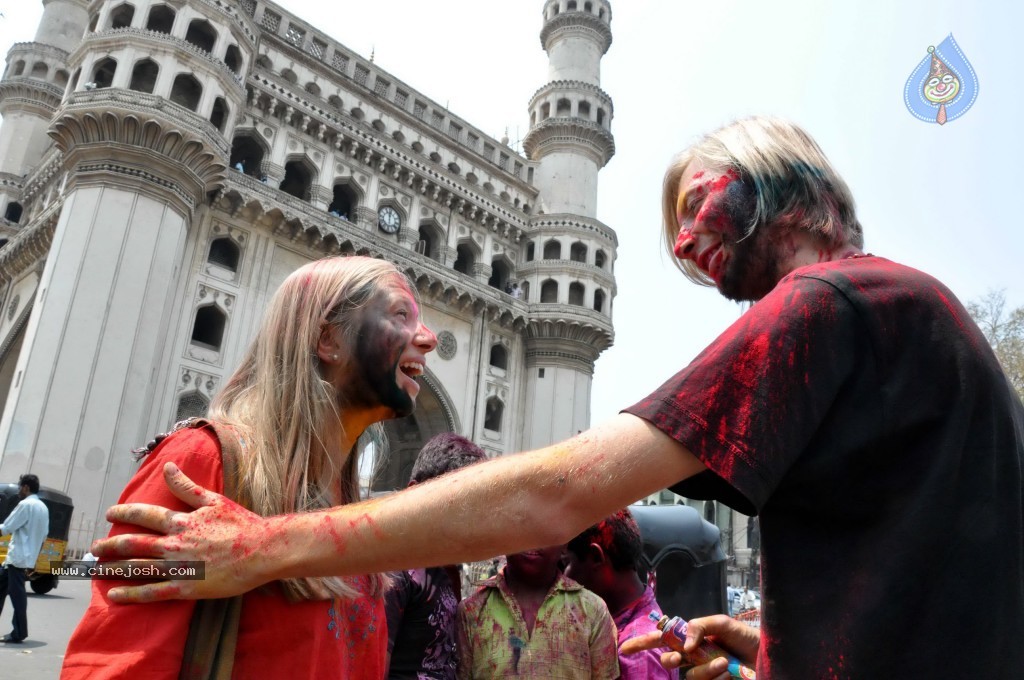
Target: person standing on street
(28, 525)
(421, 604)
(603, 559)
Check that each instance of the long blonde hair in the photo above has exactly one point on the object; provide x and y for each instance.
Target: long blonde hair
(793, 183)
(280, 404)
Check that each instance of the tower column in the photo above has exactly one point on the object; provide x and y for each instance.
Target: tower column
(82, 383)
(570, 140)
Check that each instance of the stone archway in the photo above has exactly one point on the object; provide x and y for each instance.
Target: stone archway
(406, 436)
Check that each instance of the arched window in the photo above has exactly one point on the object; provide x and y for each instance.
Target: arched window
(344, 203)
(578, 252)
(40, 70)
(553, 250)
(191, 405)
(600, 116)
(464, 260)
(13, 212)
(530, 251)
(499, 356)
(233, 58)
(103, 72)
(298, 180)
(599, 259)
(224, 253)
(563, 108)
(525, 288)
(246, 155)
(571, 7)
(599, 300)
(493, 412)
(160, 19)
(208, 329)
(588, 7)
(584, 110)
(186, 91)
(18, 69)
(122, 15)
(499, 275)
(144, 75)
(576, 292)
(219, 114)
(545, 111)
(709, 511)
(549, 291)
(431, 240)
(94, 21)
(201, 34)
(60, 78)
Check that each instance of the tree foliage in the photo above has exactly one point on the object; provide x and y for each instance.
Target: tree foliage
(1004, 330)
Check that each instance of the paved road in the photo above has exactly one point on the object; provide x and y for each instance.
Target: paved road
(51, 619)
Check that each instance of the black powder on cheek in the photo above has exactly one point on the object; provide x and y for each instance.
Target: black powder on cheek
(377, 353)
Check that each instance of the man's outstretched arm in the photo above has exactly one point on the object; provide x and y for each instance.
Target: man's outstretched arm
(505, 505)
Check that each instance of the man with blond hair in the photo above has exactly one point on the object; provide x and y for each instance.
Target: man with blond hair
(855, 408)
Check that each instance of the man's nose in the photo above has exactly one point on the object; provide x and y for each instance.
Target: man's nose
(686, 244)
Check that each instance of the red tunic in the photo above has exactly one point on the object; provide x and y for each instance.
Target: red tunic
(325, 639)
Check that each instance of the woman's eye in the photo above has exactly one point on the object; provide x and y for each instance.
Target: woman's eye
(404, 313)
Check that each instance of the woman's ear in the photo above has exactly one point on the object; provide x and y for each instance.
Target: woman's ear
(328, 347)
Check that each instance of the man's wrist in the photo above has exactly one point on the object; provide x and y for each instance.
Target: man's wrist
(274, 562)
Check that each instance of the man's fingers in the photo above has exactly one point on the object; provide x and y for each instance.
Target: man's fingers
(128, 545)
(650, 640)
(151, 592)
(152, 517)
(185, 489)
(716, 669)
(671, 660)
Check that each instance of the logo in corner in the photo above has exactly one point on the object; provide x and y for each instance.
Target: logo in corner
(943, 86)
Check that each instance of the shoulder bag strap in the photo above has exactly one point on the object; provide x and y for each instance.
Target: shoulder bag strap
(213, 631)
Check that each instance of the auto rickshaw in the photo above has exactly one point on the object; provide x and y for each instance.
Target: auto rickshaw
(41, 580)
(683, 552)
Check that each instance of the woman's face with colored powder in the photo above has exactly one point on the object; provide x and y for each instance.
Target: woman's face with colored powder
(388, 351)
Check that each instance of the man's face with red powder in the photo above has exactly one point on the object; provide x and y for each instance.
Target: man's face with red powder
(714, 210)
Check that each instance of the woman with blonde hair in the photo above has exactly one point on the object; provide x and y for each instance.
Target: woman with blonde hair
(338, 351)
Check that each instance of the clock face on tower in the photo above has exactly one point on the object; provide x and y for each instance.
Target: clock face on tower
(388, 220)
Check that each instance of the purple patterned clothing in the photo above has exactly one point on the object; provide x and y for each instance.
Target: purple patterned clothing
(420, 606)
(633, 622)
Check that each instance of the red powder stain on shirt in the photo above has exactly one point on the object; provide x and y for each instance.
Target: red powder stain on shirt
(949, 305)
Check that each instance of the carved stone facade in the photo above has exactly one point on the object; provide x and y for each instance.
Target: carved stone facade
(164, 166)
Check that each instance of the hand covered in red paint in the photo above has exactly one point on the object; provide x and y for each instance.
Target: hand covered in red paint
(230, 540)
(737, 638)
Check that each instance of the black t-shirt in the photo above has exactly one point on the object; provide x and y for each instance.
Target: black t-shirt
(421, 606)
(859, 411)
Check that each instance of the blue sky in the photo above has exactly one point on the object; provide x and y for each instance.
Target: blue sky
(941, 199)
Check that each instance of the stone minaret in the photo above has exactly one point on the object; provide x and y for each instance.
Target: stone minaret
(568, 264)
(30, 92)
(139, 140)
